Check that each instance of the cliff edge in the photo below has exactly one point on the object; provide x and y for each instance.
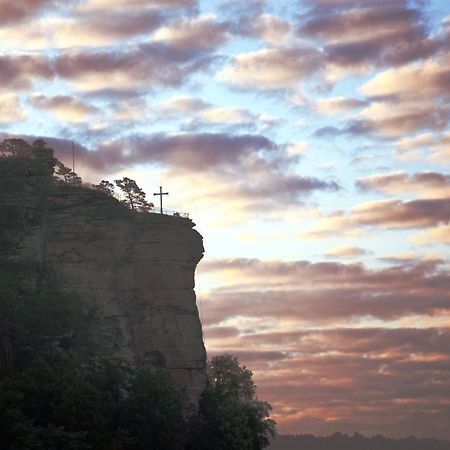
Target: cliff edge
(136, 268)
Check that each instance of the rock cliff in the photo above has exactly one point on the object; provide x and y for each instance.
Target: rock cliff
(137, 268)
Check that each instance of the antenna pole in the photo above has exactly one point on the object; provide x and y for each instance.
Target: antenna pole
(73, 157)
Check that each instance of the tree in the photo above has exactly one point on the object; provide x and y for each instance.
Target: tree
(230, 416)
(134, 195)
(14, 147)
(106, 187)
(67, 175)
(95, 404)
(38, 318)
(43, 153)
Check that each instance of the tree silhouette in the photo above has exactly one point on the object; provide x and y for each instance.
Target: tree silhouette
(14, 147)
(230, 416)
(67, 175)
(106, 187)
(134, 195)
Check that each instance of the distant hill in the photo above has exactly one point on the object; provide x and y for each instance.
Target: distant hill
(340, 441)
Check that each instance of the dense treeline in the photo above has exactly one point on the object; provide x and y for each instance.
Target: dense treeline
(56, 393)
(90, 405)
(340, 441)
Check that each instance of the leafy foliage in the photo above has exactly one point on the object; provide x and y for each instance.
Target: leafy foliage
(100, 405)
(14, 147)
(36, 318)
(230, 416)
(106, 187)
(54, 394)
(134, 195)
(66, 175)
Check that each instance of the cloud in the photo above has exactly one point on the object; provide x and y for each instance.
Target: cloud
(129, 110)
(212, 333)
(189, 151)
(271, 29)
(427, 184)
(229, 118)
(438, 235)
(328, 131)
(386, 383)
(272, 68)
(411, 143)
(284, 315)
(17, 71)
(99, 29)
(337, 105)
(285, 187)
(197, 113)
(86, 26)
(436, 146)
(227, 115)
(126, 5)
(369, 34)
(398, 214)
(65, 107)
(346, 252)
(391, 120)
(323, 292)
(180, 105)
(427, 79)
(27, 35)
(11, 110)
(194, 33)
(357, 22)
(298, 148)
(12, 12)
(147, 65)
(407, 99)
(356, 341)
(391, 213)
(328, 225)
(219, 156)
(302, 292)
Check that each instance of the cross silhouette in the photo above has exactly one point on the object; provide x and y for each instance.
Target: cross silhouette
(160, 193)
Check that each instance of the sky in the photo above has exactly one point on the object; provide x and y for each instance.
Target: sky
(309, 141)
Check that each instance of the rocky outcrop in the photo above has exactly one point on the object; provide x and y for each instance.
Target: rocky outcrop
(138, 269)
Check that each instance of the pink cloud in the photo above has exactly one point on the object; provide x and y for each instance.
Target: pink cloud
(11, 12)
(369, 33)
(18, 71)
(431, 184)
(325, 292)
(147, 65)
(347, 379)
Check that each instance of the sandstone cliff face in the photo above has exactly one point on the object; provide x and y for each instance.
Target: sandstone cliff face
(138, 269)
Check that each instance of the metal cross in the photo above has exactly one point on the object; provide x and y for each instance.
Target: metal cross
(161, 193)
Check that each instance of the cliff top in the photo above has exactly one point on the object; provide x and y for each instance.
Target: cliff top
(28, 173)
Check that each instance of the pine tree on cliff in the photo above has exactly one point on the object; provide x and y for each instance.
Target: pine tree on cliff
(134, 195)
(67, 175)
(106, 187)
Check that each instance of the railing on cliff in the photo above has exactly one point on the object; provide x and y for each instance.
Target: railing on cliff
(152, 210)
(169, 212)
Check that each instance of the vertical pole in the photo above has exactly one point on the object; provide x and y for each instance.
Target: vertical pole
(73, 157)
(160, 199)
